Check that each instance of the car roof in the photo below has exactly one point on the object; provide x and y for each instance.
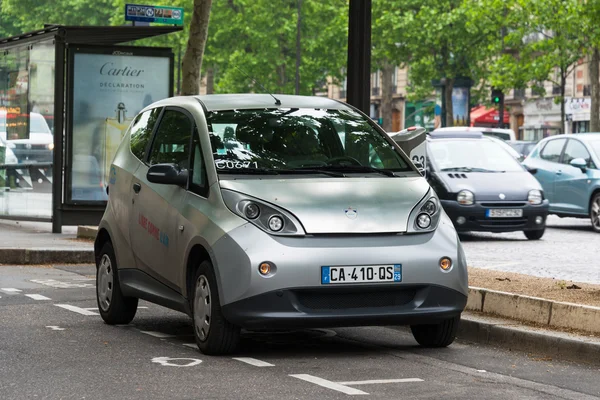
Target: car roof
(474, 129)
(215, 102)
(585, 137)
(454, 134)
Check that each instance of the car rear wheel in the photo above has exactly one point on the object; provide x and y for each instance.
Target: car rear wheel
(214, 334)
(595, 212)
(436, 335)
(113, 306)
(534, 235)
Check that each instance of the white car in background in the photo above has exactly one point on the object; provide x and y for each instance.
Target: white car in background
(39, 146)
(504, 134)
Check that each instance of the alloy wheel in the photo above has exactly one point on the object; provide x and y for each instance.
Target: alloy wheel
(202, 308)
(595, 214)
(105, 282)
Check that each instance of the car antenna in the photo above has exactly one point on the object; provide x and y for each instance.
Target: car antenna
(277, 102)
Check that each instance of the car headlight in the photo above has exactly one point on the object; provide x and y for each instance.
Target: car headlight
(50, 146)
(268, 217)
(535, 197)
(426, 214)
(465, 197)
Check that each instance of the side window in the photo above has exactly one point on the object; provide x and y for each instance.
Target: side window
(551, 152)
(198, 182)
(141, 131)
(576, 149)
(172, 140)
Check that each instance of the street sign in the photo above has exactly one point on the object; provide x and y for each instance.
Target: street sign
(156, 14)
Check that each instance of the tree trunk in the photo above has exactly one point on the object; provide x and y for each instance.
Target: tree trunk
(563, 84)
(298, 48)
(210, 80)
(387, 99)
(594, 71)
(448, 101)
(192, 60)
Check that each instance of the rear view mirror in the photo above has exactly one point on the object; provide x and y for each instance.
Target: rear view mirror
(167, 174)
(579, 163)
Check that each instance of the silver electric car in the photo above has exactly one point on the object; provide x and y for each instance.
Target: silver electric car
(263, 212)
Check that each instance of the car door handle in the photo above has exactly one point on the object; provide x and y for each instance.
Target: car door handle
(137, 187)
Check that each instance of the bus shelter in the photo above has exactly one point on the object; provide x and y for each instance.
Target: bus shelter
(67, 95)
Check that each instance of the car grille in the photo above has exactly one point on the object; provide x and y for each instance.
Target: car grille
(502, 222)
(504, 204)
(363, 299)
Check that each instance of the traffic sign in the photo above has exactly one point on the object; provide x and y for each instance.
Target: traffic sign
(156, 14)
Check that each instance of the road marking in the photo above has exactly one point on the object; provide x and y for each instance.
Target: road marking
(165, 361)
(375, 381)
(159, 335)
(481, 370)
(37, 297)
(253, 361)
(84, 279)
(328, 384)
(76, 309)
(191, 345)
(61, 284)
(55, 328)
(10, 290)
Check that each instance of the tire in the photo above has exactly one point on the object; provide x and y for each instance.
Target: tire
(595, 212)
(534, 235)
(436, 335)
(214, 334)
(113, 306)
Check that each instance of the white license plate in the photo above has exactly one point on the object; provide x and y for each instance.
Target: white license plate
(504, 213)
(361, 274)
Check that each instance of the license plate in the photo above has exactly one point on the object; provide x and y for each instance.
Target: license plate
(361, 274)
(504, 213)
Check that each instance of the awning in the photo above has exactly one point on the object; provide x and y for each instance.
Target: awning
(484, 115)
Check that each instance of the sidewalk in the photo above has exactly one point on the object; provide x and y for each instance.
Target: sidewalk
(23, 243)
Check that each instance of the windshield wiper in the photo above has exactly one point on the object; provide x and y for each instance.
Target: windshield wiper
(312, 170)
(249, 171)
(351, 169)
(469, 169)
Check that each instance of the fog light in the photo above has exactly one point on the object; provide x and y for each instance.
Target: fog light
(423, 221)
(461, 220)
(264, 268)
(539, 220)
(445, 264)
(275, 223)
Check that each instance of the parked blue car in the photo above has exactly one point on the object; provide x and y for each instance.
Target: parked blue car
(568, 168)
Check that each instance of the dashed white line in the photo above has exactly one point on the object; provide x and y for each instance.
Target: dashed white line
(55, 328)
(328, 384)
(76, 309)
(159, 335)
(376, 381)
(253, 361)
(10, 290)
(37, 297)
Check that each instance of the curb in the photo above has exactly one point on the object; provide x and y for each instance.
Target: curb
(87, 232)
(513, 337)
(535, 310)
(42, 256)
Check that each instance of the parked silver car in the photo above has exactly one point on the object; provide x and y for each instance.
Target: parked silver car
(248, 212)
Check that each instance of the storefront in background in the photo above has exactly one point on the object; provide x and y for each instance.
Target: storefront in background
(577, 111)
(542, 118)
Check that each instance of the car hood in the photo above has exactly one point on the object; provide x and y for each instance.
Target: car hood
(488, 186)
(378, 205)
(35, 138)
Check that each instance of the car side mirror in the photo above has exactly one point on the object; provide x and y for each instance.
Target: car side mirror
(167, 174)
(579, 163)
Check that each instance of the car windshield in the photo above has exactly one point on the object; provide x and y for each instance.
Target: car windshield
(477, 155)
(317, 141)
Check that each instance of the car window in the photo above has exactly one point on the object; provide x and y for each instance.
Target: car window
(172, 140)
(551, 152)
(576, 149)
(198, 173)
(478, 155)
(141, 131)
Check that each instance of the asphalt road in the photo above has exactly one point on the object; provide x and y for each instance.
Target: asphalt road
(54, 345)
(568, 250)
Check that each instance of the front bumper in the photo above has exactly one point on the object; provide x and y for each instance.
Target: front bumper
(476, 220)
(346, 306)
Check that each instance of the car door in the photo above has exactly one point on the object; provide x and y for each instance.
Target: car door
(547, 163)
(153, 226)
(571, 184)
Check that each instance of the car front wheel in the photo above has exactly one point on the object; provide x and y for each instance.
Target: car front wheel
(595, 212)
(113, 306)
(436, 335)
(534, 235)
(214, 334)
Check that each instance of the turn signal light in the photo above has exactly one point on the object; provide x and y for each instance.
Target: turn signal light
(445, 264)
(264, 268)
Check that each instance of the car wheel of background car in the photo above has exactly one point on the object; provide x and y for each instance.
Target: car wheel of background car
(436, 335)
(113, 306)
(534, 235)
(214, 334)
(595, 212)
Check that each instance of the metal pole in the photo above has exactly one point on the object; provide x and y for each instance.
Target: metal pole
(501, 112)
(359, 55)
(179, 70)
(298, 24)
(59, 104)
